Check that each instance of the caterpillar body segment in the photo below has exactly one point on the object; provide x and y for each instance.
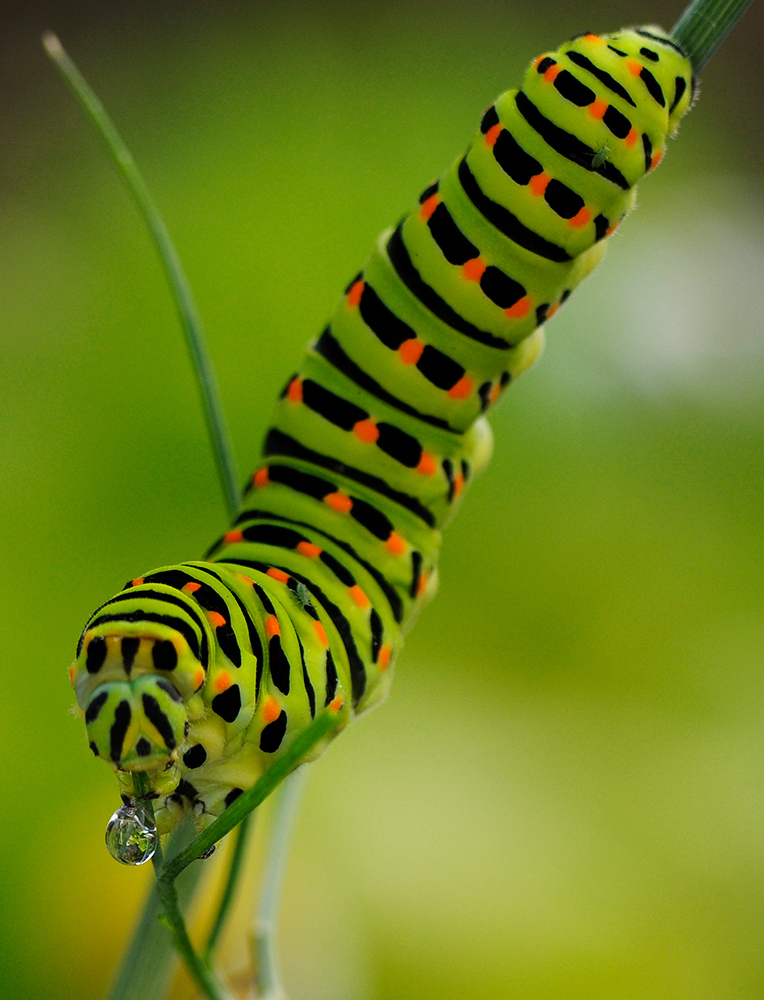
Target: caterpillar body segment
(199, 674)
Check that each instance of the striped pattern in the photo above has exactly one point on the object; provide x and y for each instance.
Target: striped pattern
(205, 670)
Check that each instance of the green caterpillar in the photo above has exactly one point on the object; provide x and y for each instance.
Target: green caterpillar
(199, 674)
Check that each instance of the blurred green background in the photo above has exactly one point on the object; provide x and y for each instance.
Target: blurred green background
(564, 795)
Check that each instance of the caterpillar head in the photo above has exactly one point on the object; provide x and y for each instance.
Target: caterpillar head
(135, 682)
(137, 724)
(140, 667)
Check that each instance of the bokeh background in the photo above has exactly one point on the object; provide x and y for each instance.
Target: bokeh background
(564, 795)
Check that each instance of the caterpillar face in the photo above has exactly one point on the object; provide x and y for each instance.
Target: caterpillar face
(136, 724)
(140, 662)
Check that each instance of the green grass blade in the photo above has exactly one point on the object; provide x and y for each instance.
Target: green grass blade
(184, 300)
(229, 890)
(148, 962)
(704, 25)
(318, 730)
(206, 978)
(265, 959)
(172, 916)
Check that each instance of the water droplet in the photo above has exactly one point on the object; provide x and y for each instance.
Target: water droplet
(130, 837)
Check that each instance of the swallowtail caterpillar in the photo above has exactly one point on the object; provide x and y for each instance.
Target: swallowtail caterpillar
(200, 674)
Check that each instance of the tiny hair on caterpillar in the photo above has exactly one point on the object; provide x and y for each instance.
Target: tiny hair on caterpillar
(198, 675)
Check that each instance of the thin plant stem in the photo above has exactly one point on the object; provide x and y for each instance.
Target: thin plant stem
(205, 977)
(703, 27)
(329, 720)
(265, 957)
(229, 890)
(148, 961)
(184, 300)
(147, 964)
(240, 808)
(172, 914)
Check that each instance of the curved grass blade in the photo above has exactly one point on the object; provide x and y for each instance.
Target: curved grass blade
(184, 300)
(704, 25)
